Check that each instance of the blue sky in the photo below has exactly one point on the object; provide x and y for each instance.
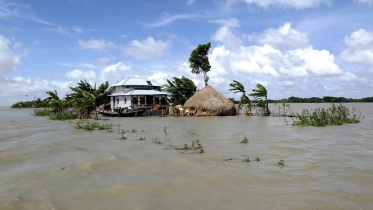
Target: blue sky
(308, 48)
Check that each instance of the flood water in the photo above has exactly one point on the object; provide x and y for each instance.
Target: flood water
(48, 164)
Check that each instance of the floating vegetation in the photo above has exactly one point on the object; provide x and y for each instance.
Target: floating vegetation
(257, 159)
(195, 146)
(133, 130)
(165, 130)
(42, 112)
(123, 137)
(142, 138)
(61, 116)
(246, 159)
(93, 126)
(281, 162)
(245, 140)
(335, 115)
(191, 132)
(122, 131)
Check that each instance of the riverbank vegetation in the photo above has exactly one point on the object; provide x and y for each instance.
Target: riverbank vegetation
(79, 104)
(335, 115)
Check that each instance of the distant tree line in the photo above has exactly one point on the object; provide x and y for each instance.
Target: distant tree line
(325, 99)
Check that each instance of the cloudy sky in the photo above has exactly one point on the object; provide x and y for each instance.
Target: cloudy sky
(301, 48)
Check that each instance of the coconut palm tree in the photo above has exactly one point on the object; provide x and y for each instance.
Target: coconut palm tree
(261, 92)
(237, 87)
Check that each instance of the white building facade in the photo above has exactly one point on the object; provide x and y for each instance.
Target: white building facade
(134, 92)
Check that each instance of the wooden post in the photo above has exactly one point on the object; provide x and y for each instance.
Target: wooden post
(162, 112)
(246, 110)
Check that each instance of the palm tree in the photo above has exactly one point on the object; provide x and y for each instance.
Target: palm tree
(83, 101)
(261, 92)
(237, 87)
(55, 102)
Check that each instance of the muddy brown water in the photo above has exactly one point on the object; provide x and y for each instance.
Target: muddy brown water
(48, 164)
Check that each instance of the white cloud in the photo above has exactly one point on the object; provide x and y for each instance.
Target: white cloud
(16, 89)
(228, 38)
(167, 19)
(297, 4)
(57, 29)
(81, 75)
(159, 78)
(359, 47)
(282, 37)
(115, 72)
(8, 60)
(146, 49)
(96, 44)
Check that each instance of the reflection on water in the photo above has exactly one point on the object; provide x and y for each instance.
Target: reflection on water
(51, 165)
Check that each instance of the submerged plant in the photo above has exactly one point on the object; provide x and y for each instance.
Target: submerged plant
(142, 138)
(281, 162)
(165, 130)
(246, 159)
(257, 159)
(133, 130)
(335, 115)
(123, 137)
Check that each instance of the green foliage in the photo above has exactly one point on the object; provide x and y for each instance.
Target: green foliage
(237, 87)
(257, 159)
(93, 126)
(281, 162)
(246, 159)
(61, 116)
(165, 130)
(181, 89)
(42, 112)
(261, 92)
(30, 104)
(335, 115)
(199, 61)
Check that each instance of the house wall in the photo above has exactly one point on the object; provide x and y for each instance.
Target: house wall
(120, 101)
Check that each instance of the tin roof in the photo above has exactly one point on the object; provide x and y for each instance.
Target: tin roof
(141, 92)
(136, 81)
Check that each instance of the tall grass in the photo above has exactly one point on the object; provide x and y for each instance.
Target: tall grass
(61, 116)
(42, 112)
(52, 115)
(335, 115)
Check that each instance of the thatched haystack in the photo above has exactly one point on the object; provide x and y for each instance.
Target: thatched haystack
(209, 102)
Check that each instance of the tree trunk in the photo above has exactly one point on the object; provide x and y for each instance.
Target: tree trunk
(267, 110)
(206, 78)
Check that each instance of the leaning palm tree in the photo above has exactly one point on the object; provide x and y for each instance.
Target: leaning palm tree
(237, 87)
(55, 102)
(261, 92)
(83, 102)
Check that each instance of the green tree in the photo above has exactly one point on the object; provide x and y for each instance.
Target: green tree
(199, 61)
(261, 92)
(83, 102)
(181, 89)
(55, 102)
(237, 87)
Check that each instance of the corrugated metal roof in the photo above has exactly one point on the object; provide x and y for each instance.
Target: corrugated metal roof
(135, 81)
(141, 92)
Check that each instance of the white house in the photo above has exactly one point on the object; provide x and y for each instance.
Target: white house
(135, 92)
